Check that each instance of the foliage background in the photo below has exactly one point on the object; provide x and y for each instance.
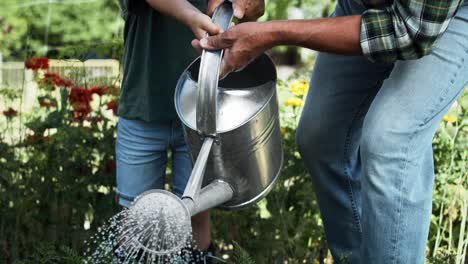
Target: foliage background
(57, 175)
(36, 27)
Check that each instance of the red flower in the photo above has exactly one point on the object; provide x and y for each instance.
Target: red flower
(80, 99)
(10, 113)
(54, 79)
(47, 105)
(37, 63)
(98, 90)
(80, 95)
(113, 105)
(65, 83)
(95, 120)
(81, 111)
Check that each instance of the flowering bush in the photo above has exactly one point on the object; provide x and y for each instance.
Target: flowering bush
(57, 181)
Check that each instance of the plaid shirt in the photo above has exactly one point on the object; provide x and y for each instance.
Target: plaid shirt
(403, 29)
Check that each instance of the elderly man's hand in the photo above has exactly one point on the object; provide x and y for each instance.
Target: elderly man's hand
(244, 10)
(241, 44)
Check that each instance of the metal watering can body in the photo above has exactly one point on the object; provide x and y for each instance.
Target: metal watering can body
(247, 152)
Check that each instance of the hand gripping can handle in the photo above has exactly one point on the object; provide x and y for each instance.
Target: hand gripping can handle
(208, 76)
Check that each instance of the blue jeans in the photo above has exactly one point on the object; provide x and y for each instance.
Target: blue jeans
(141, 153)
(365, 136)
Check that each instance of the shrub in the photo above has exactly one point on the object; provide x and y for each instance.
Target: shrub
(57, 181)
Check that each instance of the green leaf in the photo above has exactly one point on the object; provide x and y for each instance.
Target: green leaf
(240, 255)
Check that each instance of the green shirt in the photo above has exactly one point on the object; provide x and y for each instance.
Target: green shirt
(157, 50)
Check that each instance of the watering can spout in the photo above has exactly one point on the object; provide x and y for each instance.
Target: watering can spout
(218, 192)
(212, 195)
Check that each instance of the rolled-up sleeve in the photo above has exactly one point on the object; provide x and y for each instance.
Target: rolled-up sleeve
(405, 30)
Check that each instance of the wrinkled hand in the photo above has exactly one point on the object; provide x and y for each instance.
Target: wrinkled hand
(241, 44)
(244, 10)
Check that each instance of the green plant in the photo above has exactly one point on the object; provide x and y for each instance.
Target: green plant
(240, 256)
(48, 27)
(61, 170)
(449, 225)
(47, 253)
(442, 258)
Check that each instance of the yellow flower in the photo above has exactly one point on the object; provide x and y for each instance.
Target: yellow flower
(294, 102)
(283, 131)
(450, 119)
(299, 87)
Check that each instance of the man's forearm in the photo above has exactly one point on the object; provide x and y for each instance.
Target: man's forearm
(335, 35)
(246, 41)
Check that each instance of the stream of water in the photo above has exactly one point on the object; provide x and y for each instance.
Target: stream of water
(156, 229)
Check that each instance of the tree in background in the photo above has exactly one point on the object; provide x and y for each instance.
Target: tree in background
(87, 28)
(51, 27)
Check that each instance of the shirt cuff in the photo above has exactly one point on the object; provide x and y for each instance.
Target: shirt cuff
(377, 36)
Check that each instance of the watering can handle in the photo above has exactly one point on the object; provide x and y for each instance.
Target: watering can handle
(208, 75)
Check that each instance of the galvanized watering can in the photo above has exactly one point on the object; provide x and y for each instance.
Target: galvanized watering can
(232, 129)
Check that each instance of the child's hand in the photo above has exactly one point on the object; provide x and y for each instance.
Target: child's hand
(189, 15)
(202, 24)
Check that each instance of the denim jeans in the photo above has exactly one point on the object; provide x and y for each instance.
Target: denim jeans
(365, 136)
(141, 151)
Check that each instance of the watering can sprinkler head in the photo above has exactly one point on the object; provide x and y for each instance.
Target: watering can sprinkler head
(162, 216)
(159, 224)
